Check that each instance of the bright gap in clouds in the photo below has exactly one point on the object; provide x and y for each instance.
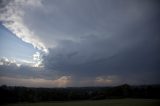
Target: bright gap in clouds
(14, 48)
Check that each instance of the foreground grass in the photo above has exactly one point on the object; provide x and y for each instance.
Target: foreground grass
(112, 102)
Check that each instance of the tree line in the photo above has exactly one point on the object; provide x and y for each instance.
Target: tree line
(10, 94)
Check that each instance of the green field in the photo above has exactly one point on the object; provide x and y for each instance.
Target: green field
(111, 102)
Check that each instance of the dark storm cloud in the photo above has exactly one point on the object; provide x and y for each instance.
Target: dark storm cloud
(96, 42)
(3, 3)
(132, 53)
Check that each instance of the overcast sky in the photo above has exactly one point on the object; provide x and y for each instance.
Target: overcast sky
(61, 43)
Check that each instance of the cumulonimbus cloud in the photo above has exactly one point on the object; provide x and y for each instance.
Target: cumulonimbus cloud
(104, 38)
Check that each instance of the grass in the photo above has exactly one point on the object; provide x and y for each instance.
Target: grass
(111, 102)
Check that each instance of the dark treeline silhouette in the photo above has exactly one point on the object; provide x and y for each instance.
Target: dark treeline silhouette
(10, 94)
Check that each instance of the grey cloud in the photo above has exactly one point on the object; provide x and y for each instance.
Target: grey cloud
(73, 19)
(89, 39)
(132, 54)
(10, 69)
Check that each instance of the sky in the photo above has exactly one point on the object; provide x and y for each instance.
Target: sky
(74, 43)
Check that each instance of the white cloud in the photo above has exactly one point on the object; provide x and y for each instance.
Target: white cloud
(37, 61)
(6, 61)
(37, 57)
(12, 18)
(25, 62)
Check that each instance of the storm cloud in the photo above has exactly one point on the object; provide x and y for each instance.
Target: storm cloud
(88, 42)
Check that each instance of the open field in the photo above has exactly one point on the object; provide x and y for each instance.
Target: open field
(111, 102)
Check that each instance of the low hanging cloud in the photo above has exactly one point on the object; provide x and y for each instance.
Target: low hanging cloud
(15, 75)
(36, 82)
(12, 69)
(102, 80)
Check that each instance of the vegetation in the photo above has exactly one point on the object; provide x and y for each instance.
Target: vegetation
(23, 94)
(111, 102)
